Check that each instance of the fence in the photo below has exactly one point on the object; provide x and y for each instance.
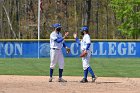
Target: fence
(100, 48)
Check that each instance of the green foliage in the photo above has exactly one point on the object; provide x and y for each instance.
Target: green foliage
(128, 12)
(72, 14)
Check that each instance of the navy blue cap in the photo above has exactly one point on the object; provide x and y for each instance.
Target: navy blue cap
(84, 28)
(57, 25)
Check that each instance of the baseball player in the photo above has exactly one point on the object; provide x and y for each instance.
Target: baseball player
(86, 51)
(56, 55)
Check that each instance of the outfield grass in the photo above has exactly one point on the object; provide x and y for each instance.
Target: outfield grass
(124, 67)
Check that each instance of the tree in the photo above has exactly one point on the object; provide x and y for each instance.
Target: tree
(72, 14)
(128, 12)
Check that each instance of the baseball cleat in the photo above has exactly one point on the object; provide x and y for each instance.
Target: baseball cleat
(83, 80)
(94, 79)
(61, 80)
(50, 79)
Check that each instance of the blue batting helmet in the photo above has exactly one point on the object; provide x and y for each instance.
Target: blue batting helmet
(56, 25)
(84, 28)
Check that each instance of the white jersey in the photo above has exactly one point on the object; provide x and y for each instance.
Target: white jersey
(53, 44)
(86, 40)
(85, 60)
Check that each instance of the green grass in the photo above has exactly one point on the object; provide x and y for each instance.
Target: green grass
(112, 67)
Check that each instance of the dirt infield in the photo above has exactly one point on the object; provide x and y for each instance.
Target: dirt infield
(40, 84)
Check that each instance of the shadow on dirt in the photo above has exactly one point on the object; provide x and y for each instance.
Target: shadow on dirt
(107, 82)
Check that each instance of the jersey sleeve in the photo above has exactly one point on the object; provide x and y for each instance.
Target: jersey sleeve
(87, 39)
(59, 40)
(64, 45)
(87, 47)
(77, 40)
(53, 36)
(88, 42)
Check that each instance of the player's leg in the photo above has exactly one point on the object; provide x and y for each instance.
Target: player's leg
(90, 69)
(85, 68)
(92, 74)
(53, 58)
(61, 66)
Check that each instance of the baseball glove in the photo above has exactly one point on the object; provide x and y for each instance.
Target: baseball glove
(67, 50)
(83, 54)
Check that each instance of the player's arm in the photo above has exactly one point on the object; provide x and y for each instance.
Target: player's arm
(88, 46)
(85, 51)
(60, 39)
(55, 38)
(76, 38)
(64, 45)
(88, 42)
(67, 49)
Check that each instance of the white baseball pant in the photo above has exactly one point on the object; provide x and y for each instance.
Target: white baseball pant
(85, 60)
(56, 56)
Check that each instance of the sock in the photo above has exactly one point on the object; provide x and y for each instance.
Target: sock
(60, 73)
(51, 72)
(91, 72)
(85, 73)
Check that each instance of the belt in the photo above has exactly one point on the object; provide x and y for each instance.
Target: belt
(55, 48)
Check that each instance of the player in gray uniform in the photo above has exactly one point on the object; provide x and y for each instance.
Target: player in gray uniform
(56, 55)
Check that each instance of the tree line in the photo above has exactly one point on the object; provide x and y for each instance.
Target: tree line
(106, 19)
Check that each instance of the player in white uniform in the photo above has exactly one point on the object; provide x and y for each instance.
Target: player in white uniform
(85, 46)
(56, 55)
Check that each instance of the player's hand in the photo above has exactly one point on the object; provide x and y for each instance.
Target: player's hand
(66, 34)
(75, 35)
(83, 54)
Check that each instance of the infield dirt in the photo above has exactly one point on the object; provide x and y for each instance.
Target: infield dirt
(40, 84)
